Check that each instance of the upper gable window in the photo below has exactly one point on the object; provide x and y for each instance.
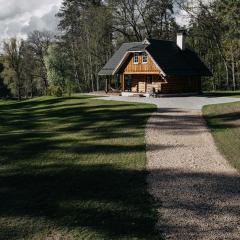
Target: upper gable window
(136, 58)
(144, 58)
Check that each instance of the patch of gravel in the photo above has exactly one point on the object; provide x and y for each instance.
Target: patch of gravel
(197, 190)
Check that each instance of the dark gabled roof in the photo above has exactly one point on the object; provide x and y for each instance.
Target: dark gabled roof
(117, 57)
(166, 54)
(174, 61)
(140, 47)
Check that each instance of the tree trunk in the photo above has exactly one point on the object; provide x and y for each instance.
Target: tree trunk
(75, 66)
(19, 89)
(227, 73)
(233, 70)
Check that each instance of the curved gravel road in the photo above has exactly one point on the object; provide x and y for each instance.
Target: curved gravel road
(198, 191)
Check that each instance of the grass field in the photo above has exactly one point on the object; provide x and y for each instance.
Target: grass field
(74, 168)
(223, 94)
(224, 121)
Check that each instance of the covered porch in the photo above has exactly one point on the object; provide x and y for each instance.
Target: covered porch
(130, 84)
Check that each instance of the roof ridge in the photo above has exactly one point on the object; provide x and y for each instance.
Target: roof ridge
(131, 42)
(154, 39)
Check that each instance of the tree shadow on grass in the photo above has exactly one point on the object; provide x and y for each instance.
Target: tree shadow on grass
(224, 120)
(105, 201)
(109, 201)
(112, 203)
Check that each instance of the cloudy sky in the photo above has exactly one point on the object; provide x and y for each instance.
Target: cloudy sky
(19, 17)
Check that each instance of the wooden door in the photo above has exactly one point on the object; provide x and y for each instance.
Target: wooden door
(142, 85)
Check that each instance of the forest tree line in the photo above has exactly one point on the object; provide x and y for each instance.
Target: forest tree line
(90, 31)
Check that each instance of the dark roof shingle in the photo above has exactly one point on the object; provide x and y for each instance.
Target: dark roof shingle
(173, 61)
(116, 58)
(169, 57)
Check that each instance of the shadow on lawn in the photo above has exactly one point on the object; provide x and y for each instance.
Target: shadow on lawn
(29, 132)
(112, 201)
(108, 199)
(229, 118)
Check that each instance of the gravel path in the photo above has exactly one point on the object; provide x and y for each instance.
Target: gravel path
(197, 190)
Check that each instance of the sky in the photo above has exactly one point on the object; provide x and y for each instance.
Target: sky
(19, 17)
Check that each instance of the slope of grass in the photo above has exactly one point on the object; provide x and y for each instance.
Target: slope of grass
(224, 121)
(223, 94)
(74, 168)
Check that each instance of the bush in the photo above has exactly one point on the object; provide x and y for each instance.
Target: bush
(55, 91)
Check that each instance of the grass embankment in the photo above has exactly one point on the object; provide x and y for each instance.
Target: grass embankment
(223, 94)
(224, 121)
(74, 168)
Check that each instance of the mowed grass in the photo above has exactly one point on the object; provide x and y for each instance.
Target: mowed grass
(223, 94)
(74, 168)
(224, 121)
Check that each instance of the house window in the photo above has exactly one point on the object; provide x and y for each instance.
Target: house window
(135, 59)
(144, 58)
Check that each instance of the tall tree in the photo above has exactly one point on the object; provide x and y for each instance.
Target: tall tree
(59, 68)
(137, 19)
(13, 66)
(4, 90)
(38, 43)
(214, 33)
(89, 45)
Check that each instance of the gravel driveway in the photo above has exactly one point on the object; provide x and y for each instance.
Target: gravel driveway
(197, 191)
(191, 102)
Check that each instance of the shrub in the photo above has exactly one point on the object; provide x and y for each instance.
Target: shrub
(55, 91)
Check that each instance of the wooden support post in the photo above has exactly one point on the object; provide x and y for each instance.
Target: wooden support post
(97, 83)
(123, 82)
(106, 84)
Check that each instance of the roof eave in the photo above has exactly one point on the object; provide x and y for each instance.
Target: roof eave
(163, 73)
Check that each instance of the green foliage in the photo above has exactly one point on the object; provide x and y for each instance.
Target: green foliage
(59, 69)
(92, 30)
(215, 35)
(5, 92)
(13, 66)
(87, 38)
(55, 91)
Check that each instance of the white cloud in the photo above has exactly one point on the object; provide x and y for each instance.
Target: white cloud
(182, 17)
(18, 17)
(47, 22)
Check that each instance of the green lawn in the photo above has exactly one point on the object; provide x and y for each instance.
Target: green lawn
(74, 168)
(224, 121)
(223, 94)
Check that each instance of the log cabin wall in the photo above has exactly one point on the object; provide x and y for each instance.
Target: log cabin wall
(139, 72)
(129, 66)
(156, 83)
(176, 84)
(140, 84)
